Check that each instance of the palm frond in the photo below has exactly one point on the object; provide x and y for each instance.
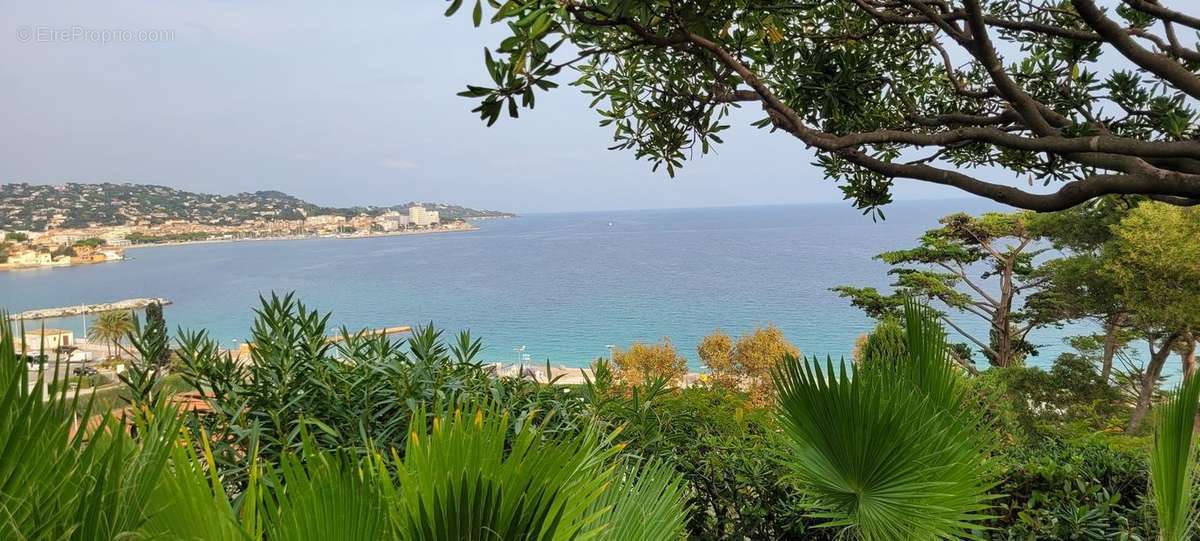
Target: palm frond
(643, 502)
(190, 502)
(458, 481)
(331, 495)
(886, 451)
(1172, 463)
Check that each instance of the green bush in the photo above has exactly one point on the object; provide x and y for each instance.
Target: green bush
(728, 452)
(888, 343)
(1073, 489)
(354, 393)
(1070, 396)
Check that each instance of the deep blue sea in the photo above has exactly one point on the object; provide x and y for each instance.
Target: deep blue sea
(562, 285)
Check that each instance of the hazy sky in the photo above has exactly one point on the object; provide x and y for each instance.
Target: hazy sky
(337, 102)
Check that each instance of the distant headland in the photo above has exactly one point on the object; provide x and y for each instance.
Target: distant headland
(72, 224)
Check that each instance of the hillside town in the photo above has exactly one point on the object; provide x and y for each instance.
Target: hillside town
(63, 247)
(62, 225)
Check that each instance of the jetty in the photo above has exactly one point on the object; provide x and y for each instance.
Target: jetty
(82, 309)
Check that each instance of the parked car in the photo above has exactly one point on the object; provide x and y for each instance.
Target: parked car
(33, 360)
(85, 371)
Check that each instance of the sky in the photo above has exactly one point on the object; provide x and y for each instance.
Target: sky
(340, 103)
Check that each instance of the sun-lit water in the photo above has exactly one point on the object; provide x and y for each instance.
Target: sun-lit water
(563, 285)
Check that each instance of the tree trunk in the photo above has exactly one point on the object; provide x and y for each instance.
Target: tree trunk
(1111, 329)
(1188, 355)
(1149, 382)
(1002, 333)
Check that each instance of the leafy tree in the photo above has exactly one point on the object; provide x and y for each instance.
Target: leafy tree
(1155, 264)
(111, 328)
(748, 363)
(643, 363)
(1093, 100)
(1076, 287)
(946, 259)
(157, 325)
(16, 236)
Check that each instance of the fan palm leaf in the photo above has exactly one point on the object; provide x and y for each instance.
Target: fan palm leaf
(331, 495)
(888, 452)
(647, 502)
(457, 480)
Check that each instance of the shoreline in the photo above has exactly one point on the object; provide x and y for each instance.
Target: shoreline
(467, 229)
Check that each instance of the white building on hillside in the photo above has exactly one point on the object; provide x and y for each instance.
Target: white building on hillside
(420, 217)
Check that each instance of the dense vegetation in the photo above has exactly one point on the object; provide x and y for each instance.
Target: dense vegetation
(1130, 268)
(363, 436)
(32, 206)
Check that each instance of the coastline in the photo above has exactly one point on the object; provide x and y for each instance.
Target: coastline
(466, 229)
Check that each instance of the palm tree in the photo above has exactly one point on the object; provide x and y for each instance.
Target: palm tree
(111, 328)
(888, 450)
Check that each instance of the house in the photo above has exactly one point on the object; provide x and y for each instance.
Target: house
(30, 258)
(45, 339)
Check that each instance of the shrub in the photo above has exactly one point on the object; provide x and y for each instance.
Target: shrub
(1072, 489)
(888, 343)
(747, 364)
(729, 453)
(889, 451)
(1070, 395)
(353, 393)
(642, 363)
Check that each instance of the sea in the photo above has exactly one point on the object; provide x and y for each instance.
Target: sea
(561, 288)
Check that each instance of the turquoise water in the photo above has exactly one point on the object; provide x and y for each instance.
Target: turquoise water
(562, 285)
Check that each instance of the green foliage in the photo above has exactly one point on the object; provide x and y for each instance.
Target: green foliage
(111, 328)
(1071, 396)
(729, 453)
(359, 390)
(60, 481)
(158, 324)
(1173, 463)
(888, 452)
(1156, 266)
(1060, 488)
(878, 91)
(144, 375)
(887, 344)
(461, 477)
(956, 265)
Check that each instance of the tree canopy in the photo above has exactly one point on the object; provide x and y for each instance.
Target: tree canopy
(955, 264)
(986, 97)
